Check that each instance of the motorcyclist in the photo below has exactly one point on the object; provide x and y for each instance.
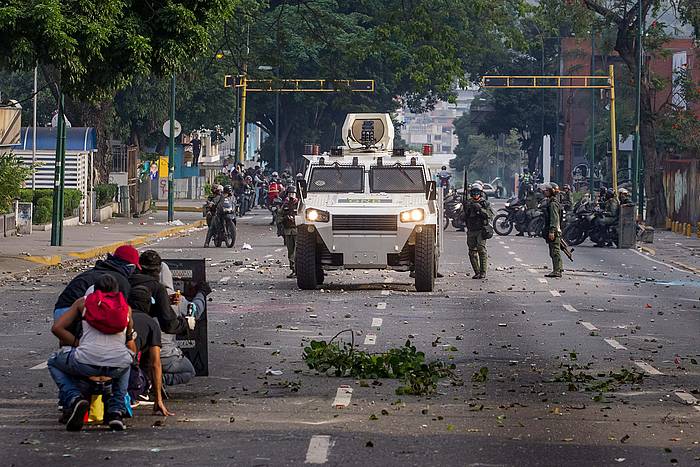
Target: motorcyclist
(444, 179)
(610, 217)
(478, 215)
(213, 215)
(552, 227)
(624, 196)
(525, 182)
(565, 198)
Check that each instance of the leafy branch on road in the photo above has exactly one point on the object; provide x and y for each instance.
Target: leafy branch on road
(405, 363)
(581, 380)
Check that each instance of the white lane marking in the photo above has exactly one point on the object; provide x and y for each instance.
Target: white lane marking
(224, 279)
(660, 262)
(648, 368)
(555, 293)
(370, 339)
(377, 322)
(268, 256)
(615, 344)
(41, 366)
(518, 260)
(388, 280)
(688, 399)
(532, 271)
(381, 306)
(240, 269)
(507, 247)
(342, 397)
(511, 252)
(501, 242)
(588, 326)
(319, 445)
(570, 308)
(542, 280)
(386, 292)
(278, 250)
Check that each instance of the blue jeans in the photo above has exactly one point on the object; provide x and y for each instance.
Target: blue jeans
(58, 312)
(176, 370)
(68, 374)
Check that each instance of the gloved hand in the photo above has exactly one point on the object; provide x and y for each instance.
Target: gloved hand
(204, 288)
(191, 322)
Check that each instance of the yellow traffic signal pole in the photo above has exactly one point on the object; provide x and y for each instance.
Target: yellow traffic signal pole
(613, 129)
(566, 82)
(241, 124)
(288, 85)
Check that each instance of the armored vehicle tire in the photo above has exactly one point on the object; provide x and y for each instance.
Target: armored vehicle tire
(305, 259)
(502, 225)
(425, 259)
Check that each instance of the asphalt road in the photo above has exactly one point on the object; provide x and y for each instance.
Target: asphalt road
(614, 310)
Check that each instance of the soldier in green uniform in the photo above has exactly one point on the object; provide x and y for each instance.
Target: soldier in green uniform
(478, 215)
(552, 227)
(286, 216)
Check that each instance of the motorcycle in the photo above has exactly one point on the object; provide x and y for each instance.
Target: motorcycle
(245, 200)
(513, 215)
(226, 230)
(587, 223)
(453, 212)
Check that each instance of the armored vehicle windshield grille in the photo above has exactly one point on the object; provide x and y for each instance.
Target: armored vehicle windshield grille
(337, 179)
(397, 179)
(364, 222)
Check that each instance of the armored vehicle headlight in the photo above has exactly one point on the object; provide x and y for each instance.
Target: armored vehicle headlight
(316, 215)
(414, 215)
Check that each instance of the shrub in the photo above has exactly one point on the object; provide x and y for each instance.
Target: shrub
(12, 175)
(42, 215)
(222, 179)
(71, 201)
(105, 193)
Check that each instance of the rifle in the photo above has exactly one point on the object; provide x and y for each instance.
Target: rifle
(568, 251)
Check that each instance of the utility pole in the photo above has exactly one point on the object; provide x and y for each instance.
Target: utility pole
(36, 70)
(171, 155)
(59, 178)
(277, 124)
(593, 92)
(638, 189)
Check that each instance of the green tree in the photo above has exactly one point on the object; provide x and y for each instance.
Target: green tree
(12, 176)
(622, 16)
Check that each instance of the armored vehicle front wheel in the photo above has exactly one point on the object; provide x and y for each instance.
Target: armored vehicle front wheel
(305, 259)
(425, 261)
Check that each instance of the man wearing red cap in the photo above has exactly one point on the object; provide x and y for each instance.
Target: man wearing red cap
(120, 265)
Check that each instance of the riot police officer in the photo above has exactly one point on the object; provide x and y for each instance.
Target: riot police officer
(286, 214)
(552, 227)
(478, 215)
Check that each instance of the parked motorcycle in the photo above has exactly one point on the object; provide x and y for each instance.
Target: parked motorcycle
(587, 223)
(513, 215)
(453, 211)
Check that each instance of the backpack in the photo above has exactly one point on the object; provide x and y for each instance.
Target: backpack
(106, 312)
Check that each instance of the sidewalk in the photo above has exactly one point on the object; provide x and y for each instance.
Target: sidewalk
(675, 250)
(20, 253)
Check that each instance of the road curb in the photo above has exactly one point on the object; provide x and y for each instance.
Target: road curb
(135, 241)
(180, 208)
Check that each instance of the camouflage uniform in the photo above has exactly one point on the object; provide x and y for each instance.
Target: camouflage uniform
(477, 214)
(553, 226)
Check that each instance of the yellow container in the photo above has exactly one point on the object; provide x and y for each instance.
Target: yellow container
(668, 223)
(97, 409)
(689, 230)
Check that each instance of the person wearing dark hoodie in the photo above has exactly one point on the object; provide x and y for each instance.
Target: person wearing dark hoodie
(148, 340)
(161, 309)
(120, 265)
(177, 368)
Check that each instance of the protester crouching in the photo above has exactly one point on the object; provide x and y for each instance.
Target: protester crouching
(100, 351)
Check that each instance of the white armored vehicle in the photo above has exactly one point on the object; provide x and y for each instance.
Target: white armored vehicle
(368, 206)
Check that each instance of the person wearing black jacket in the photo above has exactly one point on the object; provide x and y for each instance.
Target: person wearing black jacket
(120, 265)
(161, 309)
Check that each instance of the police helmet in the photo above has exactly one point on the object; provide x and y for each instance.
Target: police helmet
(444, 167)
(291, 189)
(300, 176)
(228, 189)
(275, 174)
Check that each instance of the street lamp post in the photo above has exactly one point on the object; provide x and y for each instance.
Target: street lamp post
(171, 155)
(276, 164)
(638, 189)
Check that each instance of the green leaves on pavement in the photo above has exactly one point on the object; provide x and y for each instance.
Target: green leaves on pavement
(418, 377)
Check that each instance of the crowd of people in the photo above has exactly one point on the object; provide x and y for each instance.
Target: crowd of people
(119, 321)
